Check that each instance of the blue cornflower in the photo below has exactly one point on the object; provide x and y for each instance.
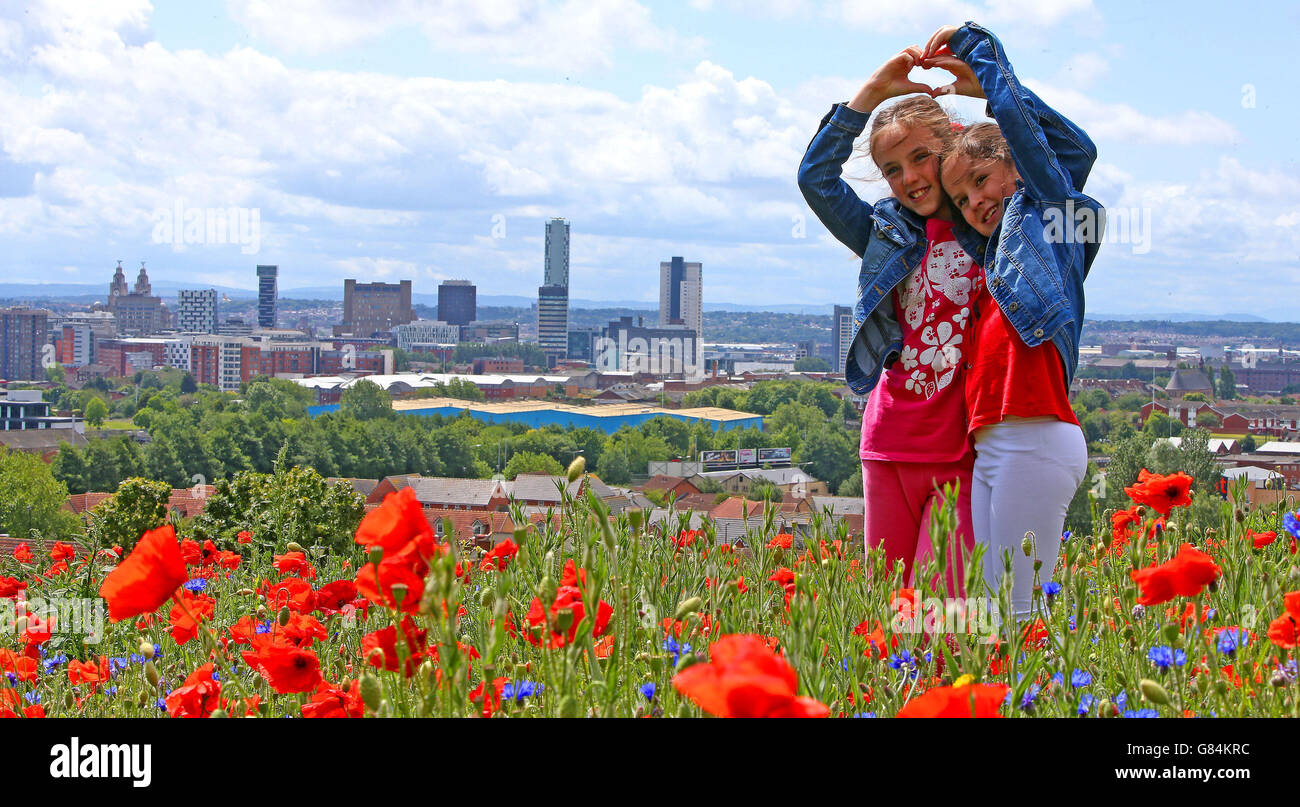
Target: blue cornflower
(262, 627)
(648, 690)
(13, 679)
(520, 690)
(1085, 704)
(1120, 700)
(32, 697)
(196, 585)
(1058, 678)
(1292, 525)
(1027, 701)
(1071, 623)
(1051, 588)
(865, 714)
(1141, 713)
(1231, 640)
(54, 661)
(845, 664)
(676, 648)
(115, 664)
(904, 662)
(1161, 656)
(1080, 678)
(1065, 536)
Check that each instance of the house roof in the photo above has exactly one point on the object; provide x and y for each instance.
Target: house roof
(1188, 380)
(1278, 447)
(839, 505)
(432, 491)
(41, 440)
(542, 488)
(664, 482)
(363, 486)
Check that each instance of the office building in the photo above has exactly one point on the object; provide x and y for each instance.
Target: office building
(842, 334)
(557, 253)
(23, 335)
(457, 303)
(371, 309)
(553, 322)
(196, 311)
(681, 298)
(267, 292)
(424, 335)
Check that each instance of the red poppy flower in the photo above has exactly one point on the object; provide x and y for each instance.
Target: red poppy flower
(191, 552)
(332, 701)
(23, 553)
(567, 607)
(293, 593)
(395, 523)
(385, 639)
(1184, 575)
(199, 696)
(147, 578)
(1259, 540)
(62, 551)
(782, 540)
(184, 620)
(971, 700)
(1284, 630)
(286, 668)
(746, 679)
(492, 699)
(294, 563)
(499, 556)
(331, 598)
(1161, 492)
(784, 578)
(88, 672)
(229, 560)
(21, 667)
(11, 587)
(244, 537)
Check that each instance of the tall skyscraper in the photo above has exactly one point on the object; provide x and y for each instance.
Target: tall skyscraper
(553, 295)
(842, 334)
(23, 334)
(457, 302)
(196, 311)
(374, 308)
(266, 295)
(681, 299)
(557, 253)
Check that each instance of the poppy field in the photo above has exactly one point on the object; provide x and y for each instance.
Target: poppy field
(592, 614)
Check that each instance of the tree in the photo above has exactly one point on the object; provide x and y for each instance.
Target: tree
(31, 499)
(851, 486)
(188, 386)
(70, 468)
(96, 411)
(290, 504)
(138, 505)
(811, 364)
(764, 490)
(1096, 399)
(366, 400)
(1209, 420)
(831, 455)
(1227, 384)
(55, 373)
(528, 462)
(1249, 443)
(614, 469)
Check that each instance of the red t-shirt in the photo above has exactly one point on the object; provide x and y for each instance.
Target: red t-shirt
(917, 411)
(1009, 378)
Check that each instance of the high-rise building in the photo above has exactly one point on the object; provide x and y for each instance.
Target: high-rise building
(266, 295)
(457, 303)
(681, 299)
(557, 253)
(136, 311)
(374, 308)
(23, 334)
(842, 334)
(196, 311)
(553, 322)
(426, 334)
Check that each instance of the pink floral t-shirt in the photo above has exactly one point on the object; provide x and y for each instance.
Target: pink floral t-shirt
(917, 411)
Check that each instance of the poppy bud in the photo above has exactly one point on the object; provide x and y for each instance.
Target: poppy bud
(217, 714)
(487, 598)
(1027, 545)
(375, 555)
(687, 660)
(1294, 574)
(564, 619)
(684, 710)
(576, 467)
(146, 649)
(635, 517)
(283, 616)
(261, 613)
(1152, 691)
(688, 607)
(245, 592)
(399, 593)
(69, 699)
(1171, 631)
(1108, 709)
(521, 671)
(151, 673)
(294, 546)
(1221, 687)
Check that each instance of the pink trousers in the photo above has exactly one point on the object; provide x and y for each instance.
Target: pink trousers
(898, 499)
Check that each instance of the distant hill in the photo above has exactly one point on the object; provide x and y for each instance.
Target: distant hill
(1176, 316)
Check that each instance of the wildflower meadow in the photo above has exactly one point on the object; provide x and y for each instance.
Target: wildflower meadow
(586, 614)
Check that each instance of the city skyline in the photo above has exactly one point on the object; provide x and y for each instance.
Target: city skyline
(662, 129)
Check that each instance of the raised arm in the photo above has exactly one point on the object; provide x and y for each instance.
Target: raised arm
(1052, 155)
(839, 208)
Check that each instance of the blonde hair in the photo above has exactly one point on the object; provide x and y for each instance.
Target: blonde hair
(982, 142)
(914, 111)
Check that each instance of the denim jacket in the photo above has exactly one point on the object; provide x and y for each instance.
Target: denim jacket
(1040, 254)
(889, 238)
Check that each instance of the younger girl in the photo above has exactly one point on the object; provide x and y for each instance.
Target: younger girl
(915, 288)
(1010, 184)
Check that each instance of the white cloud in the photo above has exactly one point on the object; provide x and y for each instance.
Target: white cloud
(1123, 123)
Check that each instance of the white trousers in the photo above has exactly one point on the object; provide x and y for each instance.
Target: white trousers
(1026, 472)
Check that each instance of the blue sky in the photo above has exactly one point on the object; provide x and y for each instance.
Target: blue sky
(431, 140)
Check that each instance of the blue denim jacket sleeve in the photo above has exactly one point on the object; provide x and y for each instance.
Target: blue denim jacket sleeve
(1052, 154)
(842, 211)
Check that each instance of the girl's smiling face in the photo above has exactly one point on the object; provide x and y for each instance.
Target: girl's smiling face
(978, 189)
(908, 158)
